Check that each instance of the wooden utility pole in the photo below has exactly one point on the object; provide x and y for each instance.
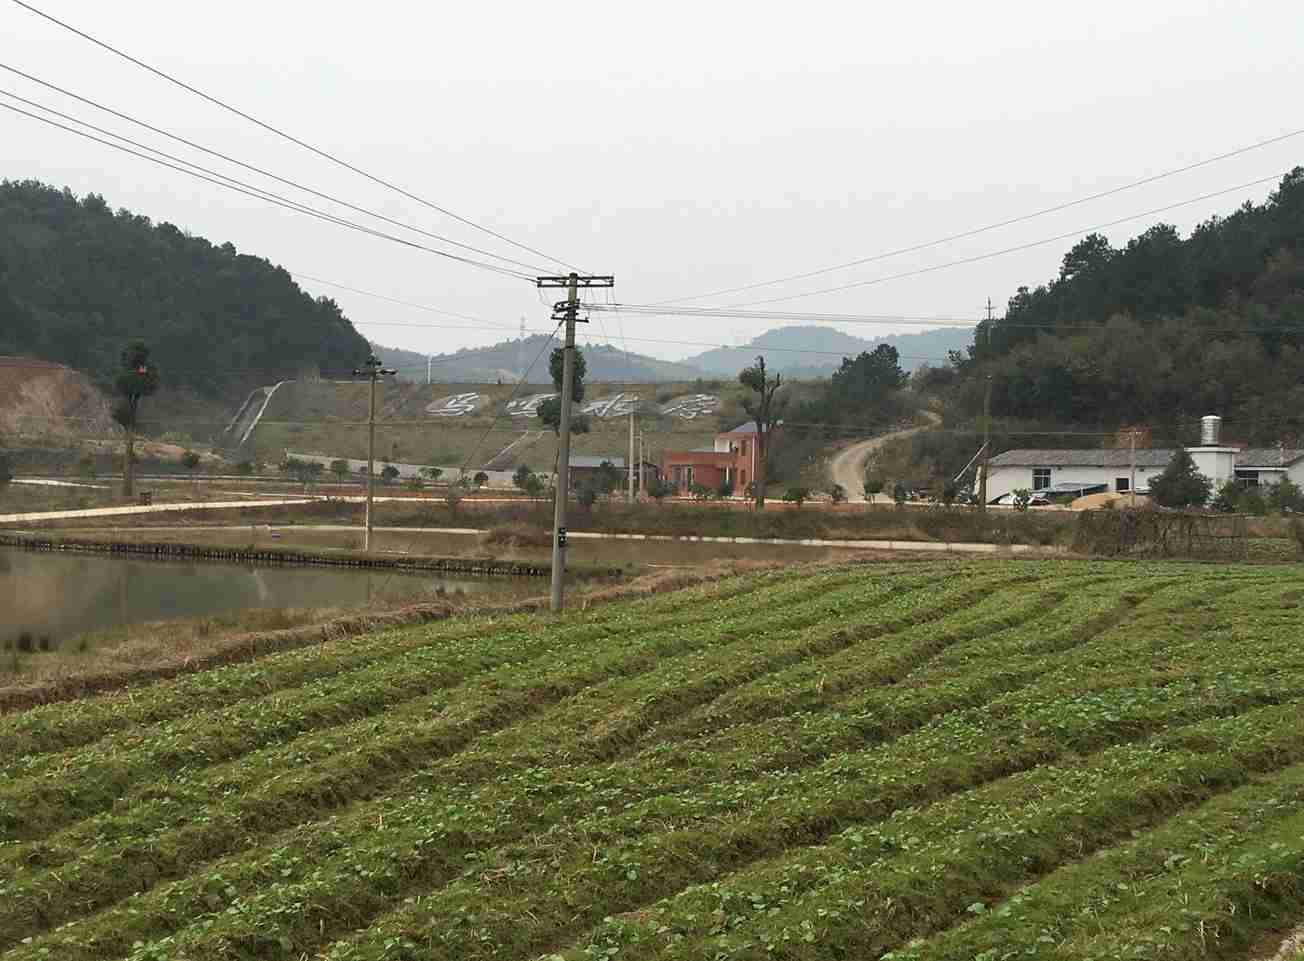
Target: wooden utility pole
(373, 370)
(569, 312)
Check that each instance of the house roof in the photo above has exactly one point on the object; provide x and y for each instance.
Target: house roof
(749, 427)
(1149, 457)
(1262, 458)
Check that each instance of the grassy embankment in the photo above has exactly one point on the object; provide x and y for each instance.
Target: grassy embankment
(946, 762)
(678, 519)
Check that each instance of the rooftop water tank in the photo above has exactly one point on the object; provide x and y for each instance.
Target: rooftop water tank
(1210, 430)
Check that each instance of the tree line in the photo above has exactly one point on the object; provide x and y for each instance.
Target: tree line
(1158, 331)
(79, 280)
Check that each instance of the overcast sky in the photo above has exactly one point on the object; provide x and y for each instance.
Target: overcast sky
(683, 147)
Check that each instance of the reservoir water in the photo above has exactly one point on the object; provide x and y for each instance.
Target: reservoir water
(59, 596)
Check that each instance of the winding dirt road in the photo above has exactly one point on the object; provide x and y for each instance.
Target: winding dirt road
(848, 468)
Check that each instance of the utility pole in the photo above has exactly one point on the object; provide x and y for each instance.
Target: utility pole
(371, 369)
(987, 422)
(1131, 484)
(567, 310)
(642, 477)
(631, 451)
(987, 445)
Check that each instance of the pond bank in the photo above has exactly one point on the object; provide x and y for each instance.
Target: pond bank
(273, 555)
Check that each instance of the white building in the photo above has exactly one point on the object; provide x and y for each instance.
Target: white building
(1070, 472)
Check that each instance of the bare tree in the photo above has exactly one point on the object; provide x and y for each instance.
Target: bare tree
(764, 412)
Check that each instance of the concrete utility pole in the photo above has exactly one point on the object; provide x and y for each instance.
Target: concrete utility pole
(987, 445)
(630, 465)
(373, 370)
(642, 477)
(569, 312)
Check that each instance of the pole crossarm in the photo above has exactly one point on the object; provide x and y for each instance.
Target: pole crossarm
(564, 280)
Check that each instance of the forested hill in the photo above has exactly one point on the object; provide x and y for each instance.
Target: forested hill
(1160, 331)
(79, 280)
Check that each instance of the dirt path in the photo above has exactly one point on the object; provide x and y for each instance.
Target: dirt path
(848, 468)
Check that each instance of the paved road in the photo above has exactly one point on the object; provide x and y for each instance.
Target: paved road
(135, 509)
(848, 468)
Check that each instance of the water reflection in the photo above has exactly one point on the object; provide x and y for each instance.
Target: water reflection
(47, 598)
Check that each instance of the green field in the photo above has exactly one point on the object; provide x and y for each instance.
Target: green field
(969, 761)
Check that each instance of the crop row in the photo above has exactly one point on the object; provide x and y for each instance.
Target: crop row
(1212, 877)
(122, 839)
(31, 806)
(568, 879)
(872, 889)
(26, 735)
(191, 819)
(346, 882)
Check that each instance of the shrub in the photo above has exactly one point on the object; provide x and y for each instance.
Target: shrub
(1225, 500)
(1251, 501)
(796, 495)
(1285, 496)
(481, 478)
(900, 494)
(658, 490)
(1022, 498)
(874, 484)
(837, 493)
(701, 492)
(388, 474)
(1180, 484)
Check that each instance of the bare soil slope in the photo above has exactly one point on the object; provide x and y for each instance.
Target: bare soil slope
(40, 399)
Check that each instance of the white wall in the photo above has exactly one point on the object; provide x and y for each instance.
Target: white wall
(1004, 480)
(1216, 463)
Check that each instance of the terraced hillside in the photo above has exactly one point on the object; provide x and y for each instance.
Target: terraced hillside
(324, 418)
(959, 761)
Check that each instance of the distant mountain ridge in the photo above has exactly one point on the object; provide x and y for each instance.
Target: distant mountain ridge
(784, 349)
(799, 351)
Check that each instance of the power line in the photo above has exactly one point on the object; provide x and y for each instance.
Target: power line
(230, 159)
(281, 133)
(994, 226)
(403, 303)
(1015, 249)
(260, 194)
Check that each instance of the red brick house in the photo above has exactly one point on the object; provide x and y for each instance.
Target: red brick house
(733, 458)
